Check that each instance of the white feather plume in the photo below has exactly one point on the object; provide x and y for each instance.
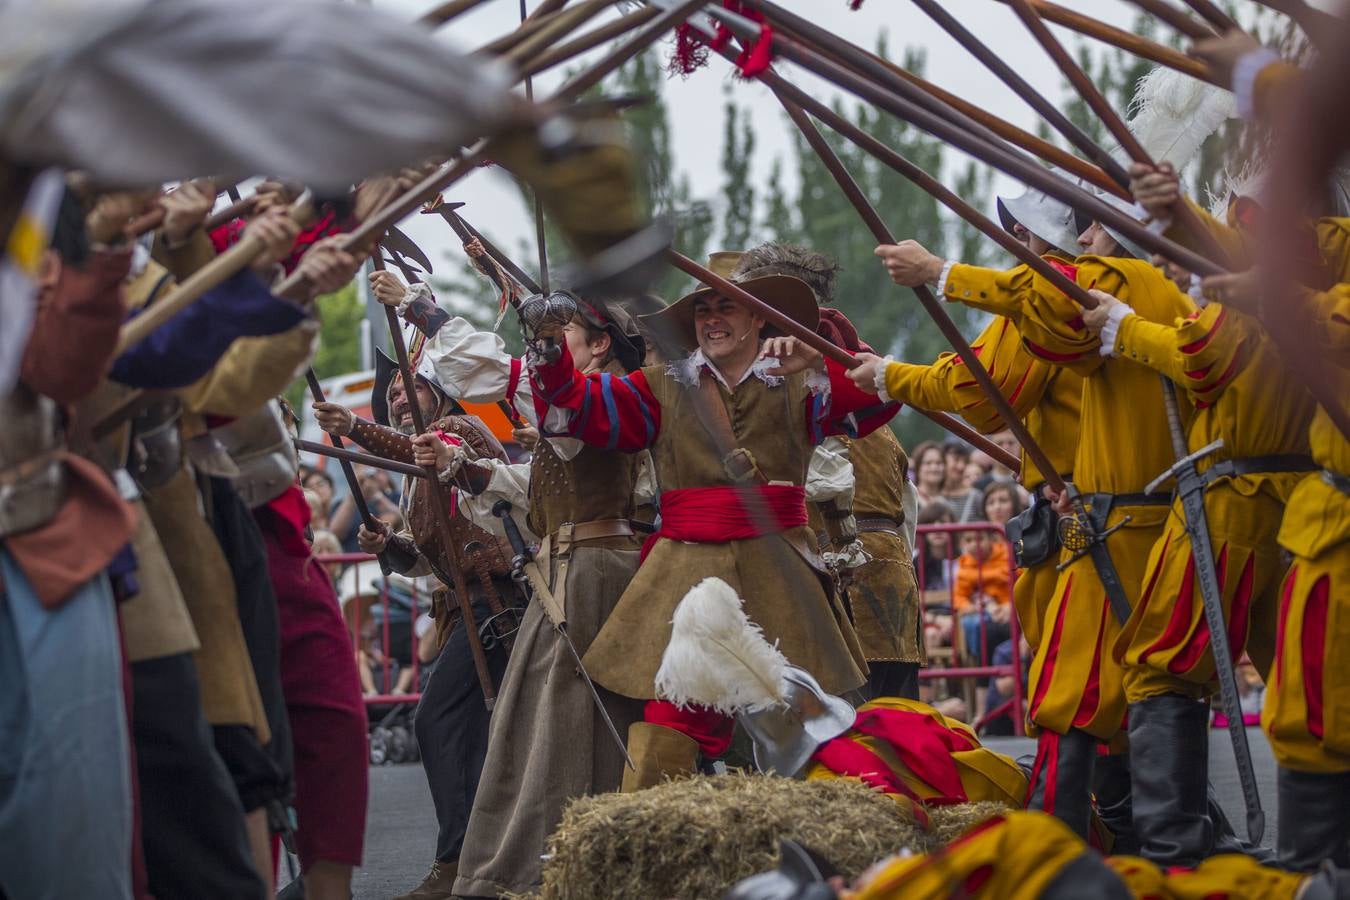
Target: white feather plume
(717, 657)
(1175, 113)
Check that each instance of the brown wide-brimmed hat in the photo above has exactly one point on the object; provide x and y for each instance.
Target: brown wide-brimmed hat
(790, 296)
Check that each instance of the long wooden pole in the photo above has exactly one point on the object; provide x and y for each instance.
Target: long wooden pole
(373, 228)
(209, 276)
(440, 507)
(797, 102)
(887, 91)
(1186, 217)
(1011, 133)
(934, 307)
(439, 15)
(347, 457)
(590, 40)
(795, 329)
(1034, 98)
(1125, 40)
(1211, 13)
(1176, 18)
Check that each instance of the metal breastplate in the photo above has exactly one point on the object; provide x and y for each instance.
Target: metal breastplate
(261, 447)
(32, 476)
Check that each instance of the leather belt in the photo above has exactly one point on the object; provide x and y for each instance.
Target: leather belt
(1337, 480)
(1139, 499)
(597, 529)
(1252, 465)
(874, 524)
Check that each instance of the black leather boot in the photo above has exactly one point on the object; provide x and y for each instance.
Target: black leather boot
(1314, 819)
(1169, 769)
(1063, 778)
(1111, 790)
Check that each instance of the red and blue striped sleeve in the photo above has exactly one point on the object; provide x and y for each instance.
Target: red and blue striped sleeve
(845, 409)
(616, 412)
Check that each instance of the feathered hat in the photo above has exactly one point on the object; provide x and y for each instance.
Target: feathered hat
(718, 658)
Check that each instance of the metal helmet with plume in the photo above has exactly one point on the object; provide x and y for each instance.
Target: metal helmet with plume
(719, 659)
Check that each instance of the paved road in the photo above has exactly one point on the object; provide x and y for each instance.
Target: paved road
(401, 827)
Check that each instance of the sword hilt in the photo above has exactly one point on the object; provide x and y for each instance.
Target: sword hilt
(1181, 464)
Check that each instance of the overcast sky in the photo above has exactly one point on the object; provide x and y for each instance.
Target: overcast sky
(695, 103)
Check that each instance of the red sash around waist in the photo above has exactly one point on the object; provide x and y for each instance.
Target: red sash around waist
(713, 515)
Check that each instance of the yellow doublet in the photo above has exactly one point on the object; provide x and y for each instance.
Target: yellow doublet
(984, 774)
(1075, 682)
(1047, 397)
(1020, 855)
(1307, 707)
(1244, 395)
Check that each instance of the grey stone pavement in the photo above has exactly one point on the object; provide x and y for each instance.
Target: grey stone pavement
(401, 826)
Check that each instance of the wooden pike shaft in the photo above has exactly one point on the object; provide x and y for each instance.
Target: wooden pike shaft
(373, 228)
(439, 15)
(440, 506)
(467, 232)
(1019, 85)
(1019, 137)
(887, 91)
(931, 304)
(810, 338)
(349, 474)
(1125, 40)
(1211, 13)
(204, 279)
(590, 40)
(1185, 216)
(347, 457)
(555, 28)
(797, 102)
(1176, 18)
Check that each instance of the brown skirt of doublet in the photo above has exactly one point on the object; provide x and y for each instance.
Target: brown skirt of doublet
(547, 742)
(783, 594)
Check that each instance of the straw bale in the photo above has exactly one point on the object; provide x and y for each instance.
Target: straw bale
(693, 838)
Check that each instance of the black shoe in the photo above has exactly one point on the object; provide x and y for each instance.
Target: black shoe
(1169, 770)
(1071, 765)
(1314, 819)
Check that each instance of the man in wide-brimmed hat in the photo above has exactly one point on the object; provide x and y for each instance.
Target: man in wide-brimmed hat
(731, 428)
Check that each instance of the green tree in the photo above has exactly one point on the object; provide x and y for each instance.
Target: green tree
(340, 314)
(738, 190)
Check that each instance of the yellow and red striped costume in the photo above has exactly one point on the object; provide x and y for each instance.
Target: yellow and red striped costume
(1020, 856)
(1307, 705)
(1046, 397)
(1244, 395)
(911, 751)
(1075, 681)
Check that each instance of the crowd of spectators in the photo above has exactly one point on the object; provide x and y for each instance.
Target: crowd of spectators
(967, 575)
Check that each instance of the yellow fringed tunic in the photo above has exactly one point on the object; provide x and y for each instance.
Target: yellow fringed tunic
(1123, 444)
(1244, 395)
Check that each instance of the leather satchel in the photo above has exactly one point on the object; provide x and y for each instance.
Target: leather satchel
(1034, 533)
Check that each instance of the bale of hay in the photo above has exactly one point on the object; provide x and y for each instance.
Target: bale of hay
(695, 837)
(947, 823)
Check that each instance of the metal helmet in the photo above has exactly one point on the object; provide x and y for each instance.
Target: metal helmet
(800, 875)
(1134, 211)
(1042, 215)
(786, 735)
